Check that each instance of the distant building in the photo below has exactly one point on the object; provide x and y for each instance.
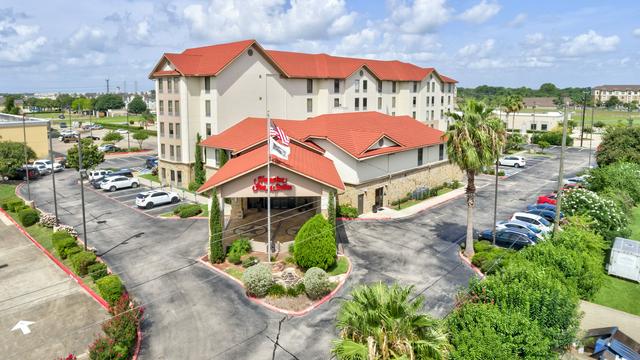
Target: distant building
(36, 132)
(626, 93)
(524, 121)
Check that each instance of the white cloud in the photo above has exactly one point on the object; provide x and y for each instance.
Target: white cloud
(142, 30)
(18, 42)
(589, 42)
(481, 12)
(518, 20)
(487, 64)
(534, 39)
(477, 50)
(636, 32)
(20, 51)
(92, 58)
(420, 16)
(271, 21)
(89, 38)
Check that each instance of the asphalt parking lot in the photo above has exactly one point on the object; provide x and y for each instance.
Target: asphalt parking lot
(127, 197)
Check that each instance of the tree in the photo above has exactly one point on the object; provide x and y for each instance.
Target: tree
(140, 136)
(315, 244)
(216, 250)
(82, 104)
(64, 101)
(512, 104)
(108, 101)
(548, 89)
(91, 156)
(222, 157)
(612, 102)
(137, 105)
(515, 141)
(10, 105)
(543, 145)
(385, 322)
(198, 166)
(331, 210)
(112, 136)
(474, 141)
(147, 117)
(12, 156)
(619, 143)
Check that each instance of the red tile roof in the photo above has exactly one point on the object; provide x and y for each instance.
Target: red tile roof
(211, 60)
(301, 160)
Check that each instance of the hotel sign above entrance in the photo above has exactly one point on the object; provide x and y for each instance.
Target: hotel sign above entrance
(276, 183)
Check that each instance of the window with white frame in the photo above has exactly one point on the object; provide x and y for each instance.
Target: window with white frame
(356, 85)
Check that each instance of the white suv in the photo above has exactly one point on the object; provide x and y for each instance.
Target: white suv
(533, 219)
(97, 174)
(56, 166)
(515, 161)
(149, 199)
(114, 183)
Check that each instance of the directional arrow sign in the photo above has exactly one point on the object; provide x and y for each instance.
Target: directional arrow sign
(24, 326)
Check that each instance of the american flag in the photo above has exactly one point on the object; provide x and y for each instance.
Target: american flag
(279, 135)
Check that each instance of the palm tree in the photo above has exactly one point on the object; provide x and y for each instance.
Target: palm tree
(383, 322)
(474, 141)
(517, 105)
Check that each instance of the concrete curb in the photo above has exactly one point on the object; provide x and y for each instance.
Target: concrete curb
(116, 154)
(277, 309)
(470, 264)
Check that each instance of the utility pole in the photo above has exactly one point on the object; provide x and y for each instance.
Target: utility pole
(561, 171)
(84, 221)
(591, 135)
(26, 159)
(584, 109)
(495, 202)
(53, 176)
(107, 80)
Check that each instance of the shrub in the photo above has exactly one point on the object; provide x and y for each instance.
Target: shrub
(98, 271)
(315, 244)
(250, 261)
(241, 246)
(257, 280)
(47, 220)
(347, 211)
(121, 332)
(553, 137)
(296, 290)
(72, 250)
(66, 228)
(619, 143)
(110, 288)
(81, 262)
(277, 290)
(624, 177)
(16, 204)
(234, 258)
(599, 124)
(216, 251)
(28, 217)
(316, 283)
(62, 242)
(5, 205)
(193, 186)
(190, 210)
(489, 258)
(179, 208)
(608, 218)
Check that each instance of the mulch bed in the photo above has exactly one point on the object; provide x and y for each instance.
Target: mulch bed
(297, 303)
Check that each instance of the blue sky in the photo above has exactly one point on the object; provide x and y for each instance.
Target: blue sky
(74, 45)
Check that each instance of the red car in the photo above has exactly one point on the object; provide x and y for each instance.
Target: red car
(547, 199)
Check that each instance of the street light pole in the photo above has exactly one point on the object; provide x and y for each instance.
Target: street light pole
(26, 159)
(591, 135)
(584, 109)
(128, 142)
(561, 171)
(495, 203)
(53, 176)
(84, 221)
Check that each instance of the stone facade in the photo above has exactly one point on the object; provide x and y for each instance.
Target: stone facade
(398, 185)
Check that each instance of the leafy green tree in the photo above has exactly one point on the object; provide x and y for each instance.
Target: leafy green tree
(112, 136)
(612, 102)
(140, 136)
(64, 101)
(384, 322)
(511, 105)
(543, 145)
(620, 143)
(91, 156)
(108, 101)
(216, 249)
(515, 141)
(137, 105)
(331, 210)
(10, 105)
(12, 156)
(198, 166)
(474, 141)
(82, 104)
(621, 176)
(315, 244)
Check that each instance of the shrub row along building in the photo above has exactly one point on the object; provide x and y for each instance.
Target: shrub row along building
(369, 129)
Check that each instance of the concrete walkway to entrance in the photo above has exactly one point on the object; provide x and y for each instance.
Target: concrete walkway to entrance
(598, 316)
(389, 213)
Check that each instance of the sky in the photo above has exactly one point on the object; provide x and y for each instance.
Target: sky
(73, 46)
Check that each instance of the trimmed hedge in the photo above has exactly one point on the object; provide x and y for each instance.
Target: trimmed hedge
(551, 137)
(14, 205)
(489, 258)
(347, 211)
(81, 262)
(28, 217)
(110, 288)
(316, 283)
(62, 243)
(315, 244)
(98, 270)
(187, 210)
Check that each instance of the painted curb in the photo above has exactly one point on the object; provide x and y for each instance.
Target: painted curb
(127, 153)
(64, 268)
(277, 309)
(470, 264)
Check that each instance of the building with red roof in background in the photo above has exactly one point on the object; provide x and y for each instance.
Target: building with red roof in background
(210, 89)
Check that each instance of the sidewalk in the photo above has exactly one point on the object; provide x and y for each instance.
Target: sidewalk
(389, 213)
(598, 316)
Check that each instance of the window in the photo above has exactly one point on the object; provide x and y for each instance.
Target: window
(432, 115)
(364, 104)
(543, 127)
(160, 87)
(364, 86)
(208, 131)
(161, 107)
(356, 85)
(207, 85)
(161, 128)
(162, 151)
(427, 117)
(177, 105)
(441, 113)
(380, 142)
(176, 85)
(309, 86)
(177, 130)
(173, 176)
(207, 108)
(309, 105)
(379, 103)
(179, 177)
(170, 130)
(415, 86)
(433, 87)
(336, 102)
(441, 100)
(433, 100)
(413, 114)
(172, 153)
(178, 153)
(169, 86)
(449, 100)
(393, 101)
(170, 107)
(164, 173)
(420, 157)
(393, 86)
(356, 104)
(379, 86)
(336, 86)
(413, 101)
(441, 152)
(449, 87)
(534, 126)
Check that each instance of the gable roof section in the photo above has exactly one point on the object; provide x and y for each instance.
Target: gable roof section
(301, 161)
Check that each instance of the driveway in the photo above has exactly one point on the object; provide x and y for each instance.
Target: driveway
(193, 313)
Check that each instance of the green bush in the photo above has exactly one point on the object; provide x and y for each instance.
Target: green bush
(72, 250)
(624, 177)
(110, 288)
(296, 290)
(5, 205)
(190, 210)
(277, 290)
(62, 242)
(15, 204)
(241, 246)
(316, 283)
(619, 143)
(347, 211)
(97, 271)
(121, 332)
(179, 208)
(609, 220)
(599, 124)
(250, 261)
(553, 137)
(81, 261)
(489, 258)
(234, 258)
(28, 217)
(315, 244)
(193, 186)
(257, 280)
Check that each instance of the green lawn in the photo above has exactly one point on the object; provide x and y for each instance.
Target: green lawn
(84, 118)
(609, 117)
(150, 177)
(235, 273)
(635, 223)
(619, 294)
(7, 192)
(341, 266)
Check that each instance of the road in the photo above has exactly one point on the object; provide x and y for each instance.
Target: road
(193, 313)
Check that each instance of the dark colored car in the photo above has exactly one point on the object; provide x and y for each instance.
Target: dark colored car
(122, 172)
(549, 207)
(510, 238)
(21, 174)
(151, 162)
(69, 138)
(547, 214)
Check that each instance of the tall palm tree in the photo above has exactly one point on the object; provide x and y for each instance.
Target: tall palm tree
(474, 141)
(382, 322)
(516, 104)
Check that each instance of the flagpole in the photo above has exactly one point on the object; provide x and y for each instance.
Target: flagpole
(268, 187)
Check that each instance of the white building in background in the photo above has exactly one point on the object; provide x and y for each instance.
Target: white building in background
(209, 89)
(626, 93)
(524, 121)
